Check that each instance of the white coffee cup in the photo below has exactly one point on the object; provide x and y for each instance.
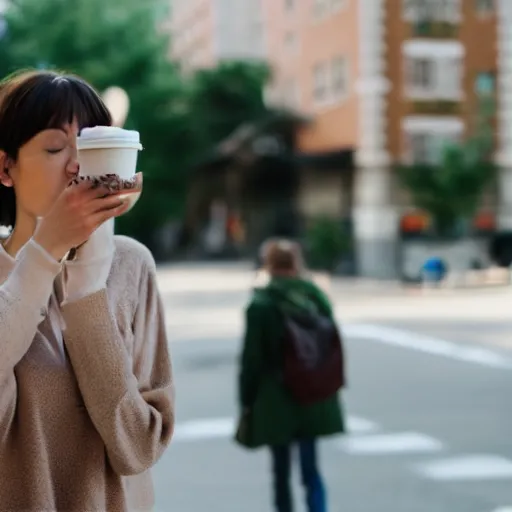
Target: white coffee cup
(108, 150)
(111, 150)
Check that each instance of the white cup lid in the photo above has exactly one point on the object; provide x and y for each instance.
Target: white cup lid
(108, 136)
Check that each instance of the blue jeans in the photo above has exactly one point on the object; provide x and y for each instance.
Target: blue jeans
(311, 479)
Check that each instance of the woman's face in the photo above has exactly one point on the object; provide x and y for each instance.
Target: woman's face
(45, 165)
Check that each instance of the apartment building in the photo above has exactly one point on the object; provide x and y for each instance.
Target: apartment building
(393, 80)
(205, 32)
(389, 80)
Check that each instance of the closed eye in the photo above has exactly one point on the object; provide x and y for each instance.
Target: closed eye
(54, 151)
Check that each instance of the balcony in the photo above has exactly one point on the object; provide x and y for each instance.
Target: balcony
(433, 29)
(436, 107)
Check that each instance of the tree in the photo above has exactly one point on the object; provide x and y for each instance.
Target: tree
(225, 97)
(450, 191)
(116, 42)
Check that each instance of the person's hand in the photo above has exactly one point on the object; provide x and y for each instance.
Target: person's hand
(76, 214)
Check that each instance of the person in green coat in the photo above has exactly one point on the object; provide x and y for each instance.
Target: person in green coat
(270, 417)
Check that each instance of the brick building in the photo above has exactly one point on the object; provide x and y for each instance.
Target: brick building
(390, 80)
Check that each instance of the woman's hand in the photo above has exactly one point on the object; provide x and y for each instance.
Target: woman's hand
(76, 214)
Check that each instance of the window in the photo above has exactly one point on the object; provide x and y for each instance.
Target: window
(320, 8)
(432, 10)
(320, 82)
(291, 94)
(426, 137)
(484, 7)
(418, 147)
(289, 5)
(337, 5)
(428, 147)
(290, 41)
(485, 84)
(434, 78)
(339, 77)
(421, 74)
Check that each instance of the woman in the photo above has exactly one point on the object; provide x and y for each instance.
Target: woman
(86, 400)
(270, 415)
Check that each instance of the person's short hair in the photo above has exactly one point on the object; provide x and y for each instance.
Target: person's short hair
(34, 101)
(281, 255)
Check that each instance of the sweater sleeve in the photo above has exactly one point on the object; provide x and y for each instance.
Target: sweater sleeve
(24, 297)
(129, 397)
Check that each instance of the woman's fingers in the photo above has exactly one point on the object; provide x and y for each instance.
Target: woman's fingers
(105, 203)
(115, 211)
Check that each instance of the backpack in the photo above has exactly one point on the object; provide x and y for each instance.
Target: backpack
(313, 362)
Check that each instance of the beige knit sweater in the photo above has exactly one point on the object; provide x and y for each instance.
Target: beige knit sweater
(82, 424)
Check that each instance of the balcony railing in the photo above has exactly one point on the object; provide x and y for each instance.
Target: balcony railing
(436, 107)
(435, 29)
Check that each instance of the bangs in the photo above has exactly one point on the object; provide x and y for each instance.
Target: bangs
(68, 98)
(51, 101)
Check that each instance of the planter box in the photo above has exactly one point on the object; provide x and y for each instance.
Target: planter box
(435, 29)
(459, 255)
(436, 107)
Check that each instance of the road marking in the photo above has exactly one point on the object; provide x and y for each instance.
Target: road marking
(398, 443)
(222, 428)
(468, 468)
(356, 425)
(196, 430)
(428, 344)
(222, 325)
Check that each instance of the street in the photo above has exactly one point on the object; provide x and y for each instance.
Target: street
(428, 401)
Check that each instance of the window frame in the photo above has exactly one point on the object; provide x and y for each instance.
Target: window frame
(344, 77)
(320, 74)
(483, 11)
(449, 11)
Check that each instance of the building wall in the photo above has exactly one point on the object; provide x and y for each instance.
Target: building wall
(192, 33)
(446, 112)
(239, 31)
(205, 32)
(481, 53)
(305, 40)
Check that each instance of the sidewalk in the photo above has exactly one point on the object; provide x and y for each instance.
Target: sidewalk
(242, 276)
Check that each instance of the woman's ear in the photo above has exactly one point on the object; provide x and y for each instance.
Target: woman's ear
(5, 164)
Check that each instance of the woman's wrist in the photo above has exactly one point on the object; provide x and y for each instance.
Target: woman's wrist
(52, 249)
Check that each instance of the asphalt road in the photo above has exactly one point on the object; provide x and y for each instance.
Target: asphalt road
(428, 401)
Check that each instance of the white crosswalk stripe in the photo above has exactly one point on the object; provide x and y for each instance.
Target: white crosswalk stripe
(467, 468)
(387, 444)
(222, 428)
(366, 438)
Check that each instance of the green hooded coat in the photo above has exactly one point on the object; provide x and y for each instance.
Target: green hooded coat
(274, 417)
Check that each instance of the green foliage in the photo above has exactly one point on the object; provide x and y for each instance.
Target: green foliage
(223, 98)
(118, 42)
(326, 243)
(109, 43)
(451, 190)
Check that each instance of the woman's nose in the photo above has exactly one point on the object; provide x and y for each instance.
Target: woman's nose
(73, 166)
(72, 169)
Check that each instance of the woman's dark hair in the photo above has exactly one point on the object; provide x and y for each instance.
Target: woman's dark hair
(33, 101)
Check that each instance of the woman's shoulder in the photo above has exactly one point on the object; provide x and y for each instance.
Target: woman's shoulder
(133, 252)
(133, 261)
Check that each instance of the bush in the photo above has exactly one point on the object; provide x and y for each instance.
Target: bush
(326, 243)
